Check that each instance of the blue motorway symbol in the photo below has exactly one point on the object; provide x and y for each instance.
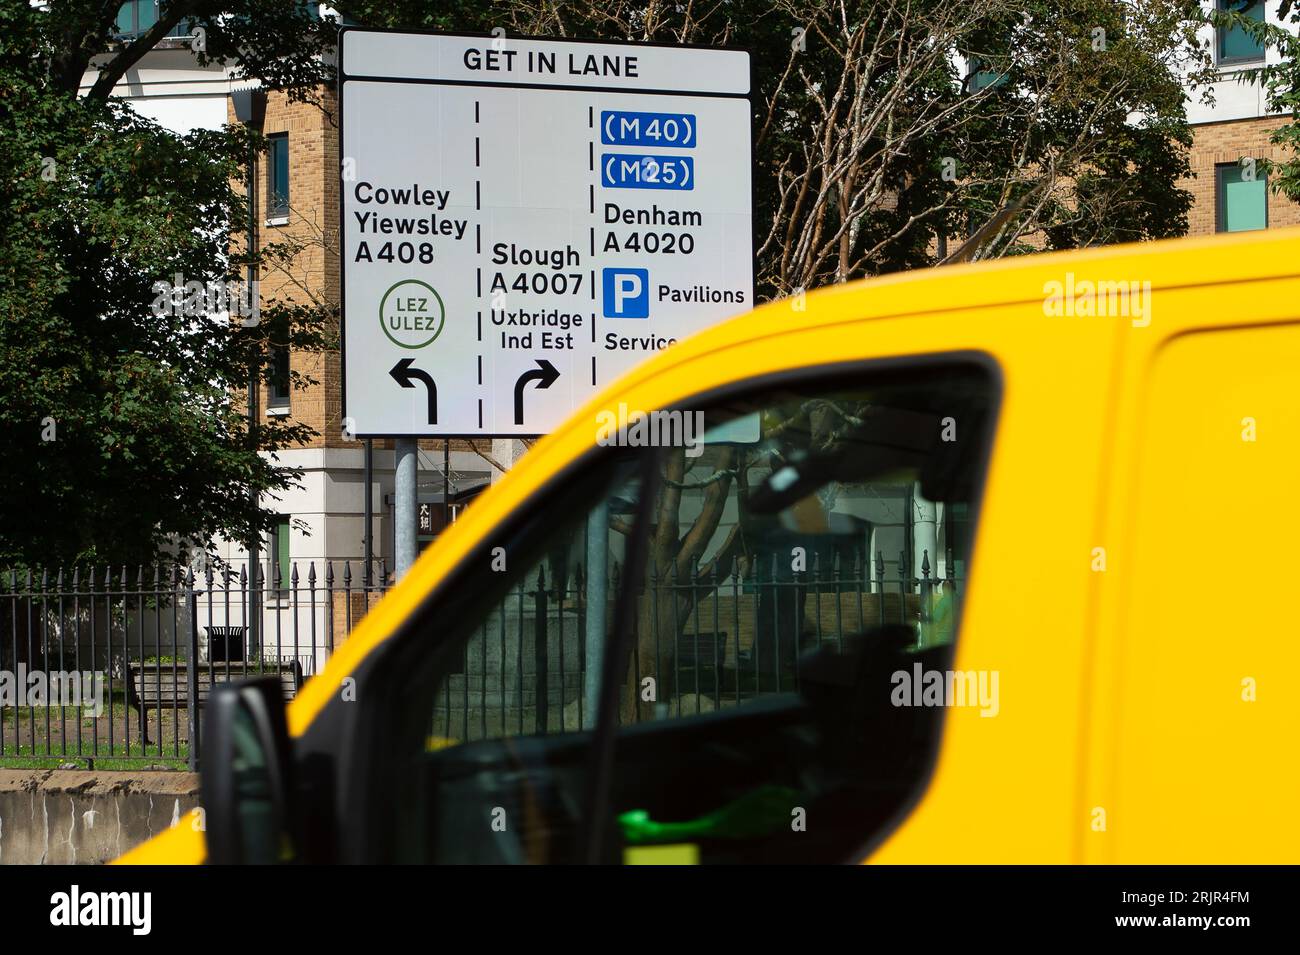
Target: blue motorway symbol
(626, 293)
(638, 171)
(621, 128)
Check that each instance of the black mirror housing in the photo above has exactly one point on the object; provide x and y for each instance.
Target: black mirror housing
(246, 780)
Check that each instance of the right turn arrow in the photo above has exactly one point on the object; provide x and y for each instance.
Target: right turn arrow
(544, 374)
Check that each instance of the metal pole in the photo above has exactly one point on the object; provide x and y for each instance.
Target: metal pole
(446, 483)
(405, 516)
(369, 508)
(192, 669)
(597, 597)
(254, 384)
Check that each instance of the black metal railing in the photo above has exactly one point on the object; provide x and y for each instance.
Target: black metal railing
(706, 638)
(95, 663)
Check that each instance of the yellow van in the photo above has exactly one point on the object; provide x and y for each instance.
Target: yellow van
(989, 563)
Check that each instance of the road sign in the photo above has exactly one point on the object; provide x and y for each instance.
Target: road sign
(524, 220)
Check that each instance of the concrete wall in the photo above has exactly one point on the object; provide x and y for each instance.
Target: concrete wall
(69, 817)
(1232, 99)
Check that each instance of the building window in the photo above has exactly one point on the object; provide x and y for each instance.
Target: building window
(278, 386)
(281, 569)
(1242, 203)
(277, 187)
(278, 392)
(977, 77)
(1234, 45)
(136, 16)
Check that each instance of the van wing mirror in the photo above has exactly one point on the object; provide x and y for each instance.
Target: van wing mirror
(246, 780)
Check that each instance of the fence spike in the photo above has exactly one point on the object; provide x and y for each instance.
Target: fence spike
(156, 575)
(243, 577)
(925, 564)
(329, 575)
(293, 575)
(58, 581)
(311, 575)
(76, 578)
(139, 576)
(207, 574)
(45, 580)
(347, 574)
(189, 579)
(541, 579)
(880, 566)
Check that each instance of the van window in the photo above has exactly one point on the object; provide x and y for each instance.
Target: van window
(803, 554)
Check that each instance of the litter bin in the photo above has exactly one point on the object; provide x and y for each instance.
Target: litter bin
(226, 644)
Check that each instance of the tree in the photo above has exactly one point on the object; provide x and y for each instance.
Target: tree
(883, 130)
(122, 430)
(872, 140)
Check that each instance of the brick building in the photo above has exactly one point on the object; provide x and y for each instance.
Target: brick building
(1235, 128)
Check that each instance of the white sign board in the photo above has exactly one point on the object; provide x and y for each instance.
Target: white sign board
(524, 220)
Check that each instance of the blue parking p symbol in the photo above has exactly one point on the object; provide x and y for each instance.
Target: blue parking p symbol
(626, 293)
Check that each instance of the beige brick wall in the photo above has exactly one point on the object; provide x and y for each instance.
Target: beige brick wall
(1216, 143)
(312, 274)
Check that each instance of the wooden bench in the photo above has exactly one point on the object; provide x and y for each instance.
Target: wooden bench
(163, 686)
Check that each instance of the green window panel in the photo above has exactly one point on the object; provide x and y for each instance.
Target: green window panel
(1234, 44)
(1242, 202)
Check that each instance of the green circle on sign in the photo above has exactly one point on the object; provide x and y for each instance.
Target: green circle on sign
(413, 317)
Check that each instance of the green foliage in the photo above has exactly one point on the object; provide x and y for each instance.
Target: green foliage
(121, 428)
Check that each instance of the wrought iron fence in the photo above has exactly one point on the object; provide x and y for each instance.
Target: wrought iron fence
(95, 665)
(708, 639)
(95, 662)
